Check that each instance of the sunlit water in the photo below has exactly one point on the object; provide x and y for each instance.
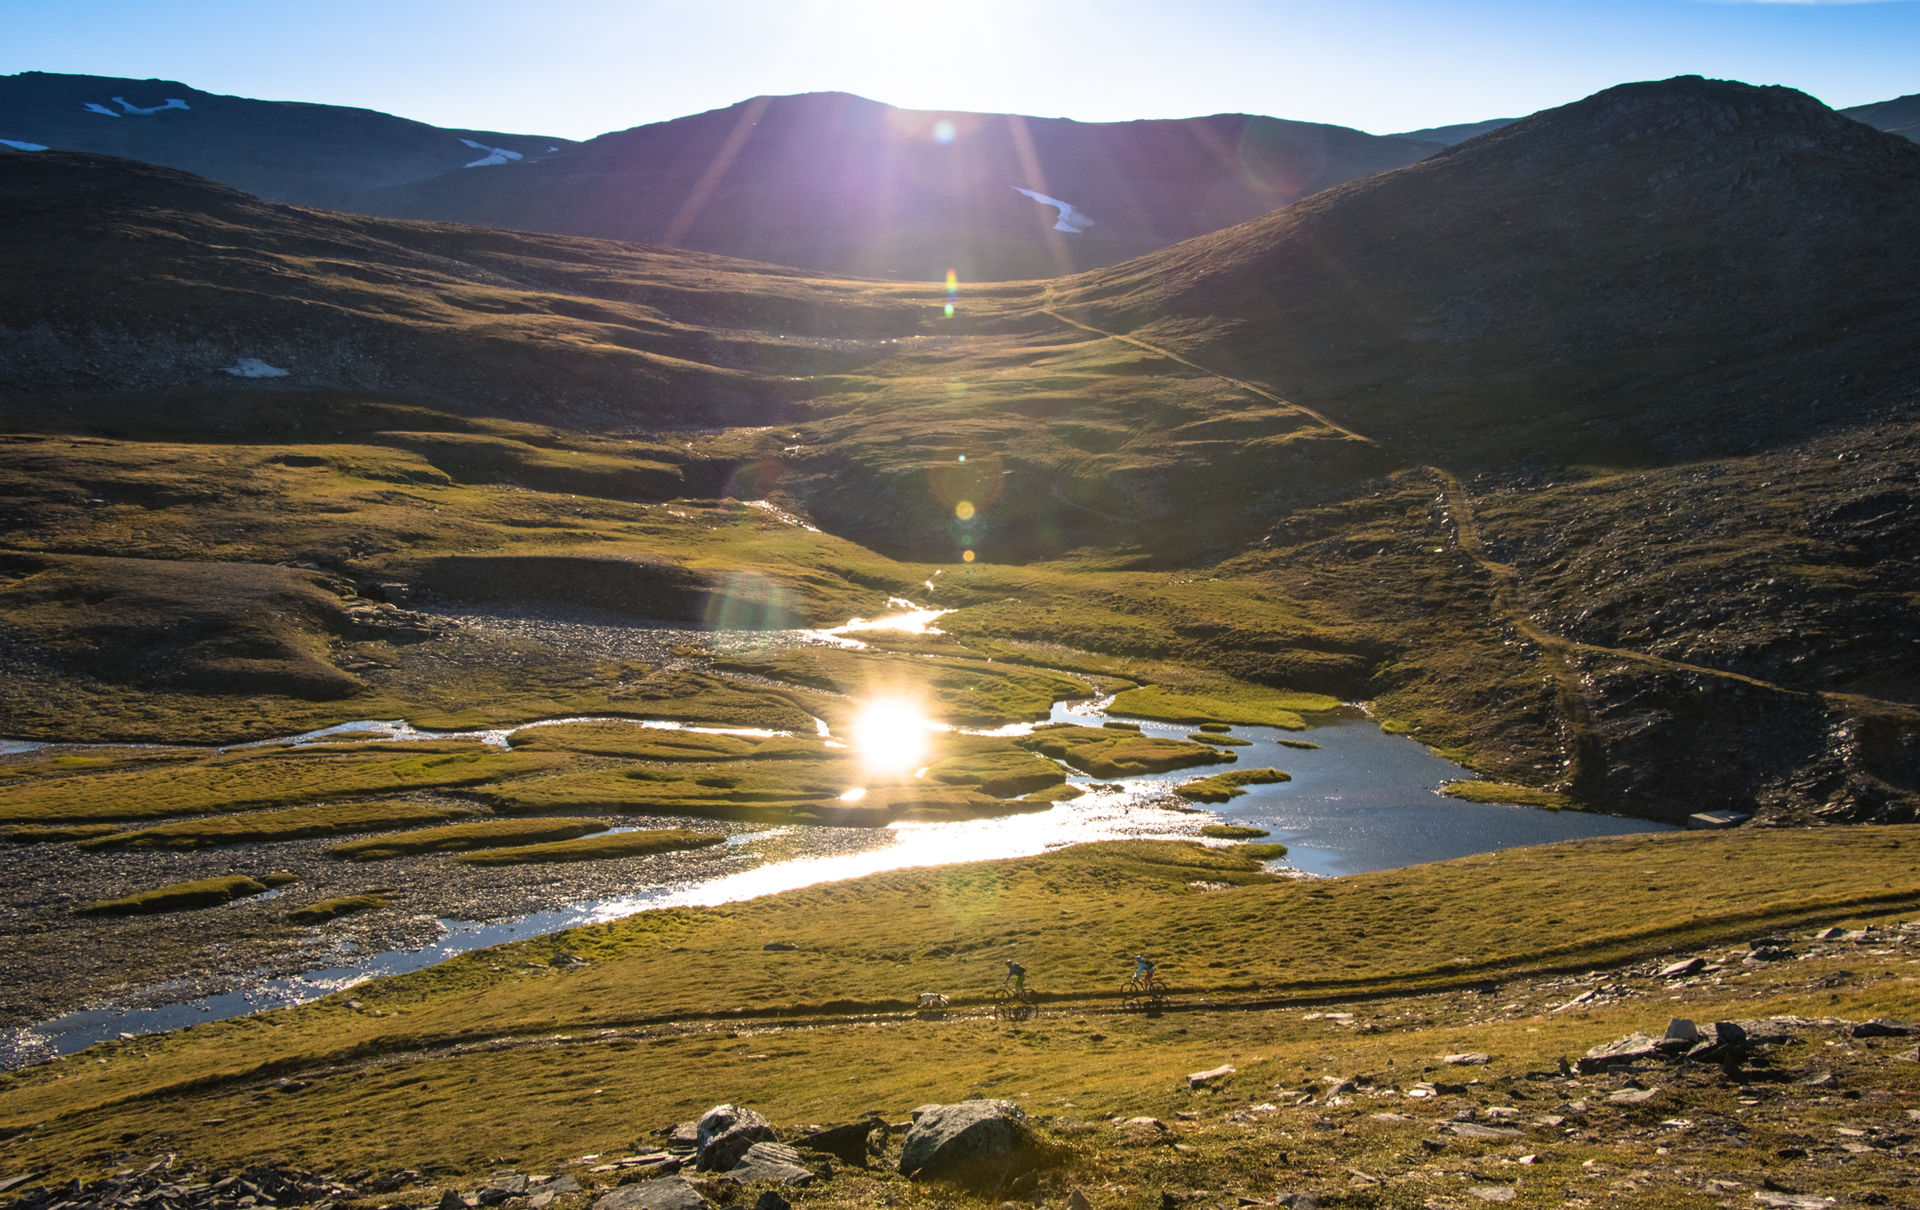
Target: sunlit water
(1363, 800)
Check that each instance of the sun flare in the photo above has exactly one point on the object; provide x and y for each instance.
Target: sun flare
(891, 737)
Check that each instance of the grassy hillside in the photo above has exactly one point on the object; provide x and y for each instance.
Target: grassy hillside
(574, 1045)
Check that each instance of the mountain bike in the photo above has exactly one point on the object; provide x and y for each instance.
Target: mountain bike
(1141, 995)
(1015, 1003)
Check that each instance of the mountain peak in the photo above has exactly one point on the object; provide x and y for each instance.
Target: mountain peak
(1682, 108)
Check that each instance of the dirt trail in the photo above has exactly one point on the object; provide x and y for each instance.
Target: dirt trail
(1627, 969)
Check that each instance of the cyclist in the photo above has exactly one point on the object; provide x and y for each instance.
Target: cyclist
(1143, 971)
(1016, 975)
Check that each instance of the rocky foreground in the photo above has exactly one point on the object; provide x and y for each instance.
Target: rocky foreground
(1782, 1111)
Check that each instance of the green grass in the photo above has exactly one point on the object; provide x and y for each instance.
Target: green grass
(324, 910)
(1244, 704)
(774, 791)
(1501, 792)
(1218, 740)
(460, 837)
(594, 848)
(1104, 752)
(1234, 831)
(1410, 950)
(259, 827)
(179, 896)
(1224, 786)
(994, 766)
(260, 778)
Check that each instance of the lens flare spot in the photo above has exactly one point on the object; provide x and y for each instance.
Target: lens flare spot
(949, 310)
(963, 457)
(854, 795)
(953, 281)
(964, 510)
(943, 132)
(966, 556)
(891, 737)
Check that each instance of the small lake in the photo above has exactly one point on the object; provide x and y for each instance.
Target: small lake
(1362, 800)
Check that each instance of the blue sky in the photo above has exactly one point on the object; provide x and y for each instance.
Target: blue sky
(582, 67)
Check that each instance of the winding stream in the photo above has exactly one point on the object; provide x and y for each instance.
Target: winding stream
(1361, 800)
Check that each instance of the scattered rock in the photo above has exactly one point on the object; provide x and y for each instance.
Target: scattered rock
(685, 1136)
(1791, 1201)
(1474, 1130)
(1469, 1059)
(499, 1188)
(1619, 1053)
(1201, 1079)
(1633, 1096)
(1683, 1031)
(775, 1163)
(1885, 1027)
(1683, 968)
(724, 1134)
(780, 945)
(1769, 953)
(452, 1200)
(973, 1143)
(850, 1143)
(772, 1201)
(1493, 1193)
(664, 1193)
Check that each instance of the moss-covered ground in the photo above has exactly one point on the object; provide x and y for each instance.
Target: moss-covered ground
(1336, 1003)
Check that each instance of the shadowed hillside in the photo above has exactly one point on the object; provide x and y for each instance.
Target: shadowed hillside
(844, 185)
(286, 151)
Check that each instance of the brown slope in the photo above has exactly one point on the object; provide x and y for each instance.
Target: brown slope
(127, 278)
(1661, 270)
(849, 186)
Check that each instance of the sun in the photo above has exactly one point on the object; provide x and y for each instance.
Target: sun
(891, 737)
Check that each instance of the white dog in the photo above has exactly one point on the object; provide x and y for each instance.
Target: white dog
(932, 1001)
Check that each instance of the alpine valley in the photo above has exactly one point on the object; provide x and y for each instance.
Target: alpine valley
(1581, 448)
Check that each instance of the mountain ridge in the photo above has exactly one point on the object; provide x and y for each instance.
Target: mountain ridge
(288, 151)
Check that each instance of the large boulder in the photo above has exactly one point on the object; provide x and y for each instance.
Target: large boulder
(724, 1134)
(979, 1144)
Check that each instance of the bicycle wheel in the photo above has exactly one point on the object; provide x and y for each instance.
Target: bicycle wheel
(1130, 998)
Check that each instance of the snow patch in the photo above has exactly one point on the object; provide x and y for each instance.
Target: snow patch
(169, 103)
(495, 155)
(17, 145)
(129, 108)
(253, 367)
(1071, 220)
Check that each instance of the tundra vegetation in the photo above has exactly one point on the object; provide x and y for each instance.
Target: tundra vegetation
(1548, 504)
